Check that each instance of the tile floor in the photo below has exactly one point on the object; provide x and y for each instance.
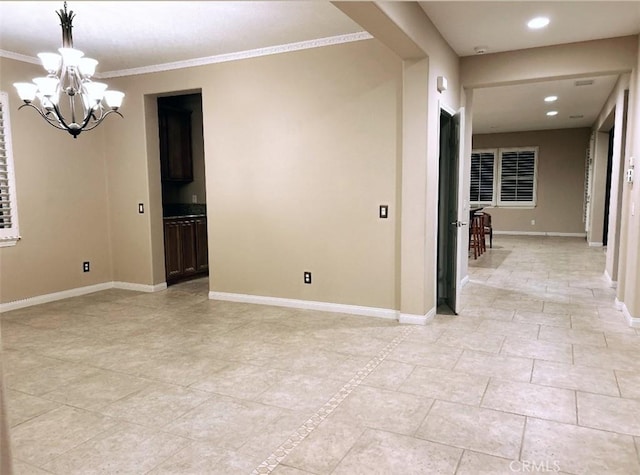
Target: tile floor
(539, 372)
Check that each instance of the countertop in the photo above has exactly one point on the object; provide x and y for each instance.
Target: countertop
(184, 210)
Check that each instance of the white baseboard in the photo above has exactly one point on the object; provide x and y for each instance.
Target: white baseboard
(612, 283)
(539, 233)
(140, 287)
(417, 319)
(631, 320)
(306, 304)
(618, 304)
(464, 281)
(65, 294)
(595, 244)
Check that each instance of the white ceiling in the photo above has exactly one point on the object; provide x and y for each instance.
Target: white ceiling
(502, 26)
(124, 35)
(522, 107)
(127, 35)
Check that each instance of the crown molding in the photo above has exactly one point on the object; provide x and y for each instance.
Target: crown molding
(253, 53)
(221, 58)
(19, 57)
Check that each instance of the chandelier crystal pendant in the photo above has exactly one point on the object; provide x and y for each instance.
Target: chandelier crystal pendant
(68, 87)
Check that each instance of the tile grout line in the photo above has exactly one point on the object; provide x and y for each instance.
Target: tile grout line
(279, 454)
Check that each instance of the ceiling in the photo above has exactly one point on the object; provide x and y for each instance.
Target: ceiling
(501, 26)
(126, 35)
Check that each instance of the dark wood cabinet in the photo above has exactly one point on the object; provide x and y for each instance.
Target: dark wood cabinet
(202, 246)
(176, 158)
(185, 248)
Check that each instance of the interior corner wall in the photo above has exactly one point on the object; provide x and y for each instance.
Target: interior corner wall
(300, 151)
(61, 200)
(414, 227)
(614, 114)
(631, 202)
(465, 179)
(441, 61)
(560, 183)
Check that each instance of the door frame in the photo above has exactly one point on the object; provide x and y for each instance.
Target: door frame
(461, 251)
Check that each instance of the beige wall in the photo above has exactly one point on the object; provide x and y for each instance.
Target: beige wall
(62, 202)
(300, 150)
(405, 29)
(608, 56)
(560, 184)
(630, 294)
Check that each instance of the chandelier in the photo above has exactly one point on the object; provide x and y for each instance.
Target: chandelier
(68, 87)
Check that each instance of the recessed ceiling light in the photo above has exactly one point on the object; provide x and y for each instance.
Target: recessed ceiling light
(538, 22)
(550, 98)
(552, 113)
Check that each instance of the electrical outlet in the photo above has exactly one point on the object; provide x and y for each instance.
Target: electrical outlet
(307, 277)
(194, 198)
(384, 212)
(533, 222)
(85, 266)
(141, 208)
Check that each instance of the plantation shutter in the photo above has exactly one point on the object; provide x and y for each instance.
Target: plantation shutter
(517, 176)
(482, 176)
(8, 211)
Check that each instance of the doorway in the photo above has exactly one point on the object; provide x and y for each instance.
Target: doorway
(448, 223)
(607, 198)
(184, 211)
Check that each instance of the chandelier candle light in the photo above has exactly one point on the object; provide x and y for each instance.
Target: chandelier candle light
(69, 79)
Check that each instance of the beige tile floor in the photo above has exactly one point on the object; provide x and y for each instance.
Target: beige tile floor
(538, 372)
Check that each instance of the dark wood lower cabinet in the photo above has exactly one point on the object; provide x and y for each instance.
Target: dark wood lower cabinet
(185, 248)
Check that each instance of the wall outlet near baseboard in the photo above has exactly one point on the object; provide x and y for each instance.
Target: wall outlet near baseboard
(533, 222)
(307, 277)
(86, 266)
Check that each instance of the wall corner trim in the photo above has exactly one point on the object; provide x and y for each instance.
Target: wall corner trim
(631, 320)
(306, 304)
(612, 283)
(595, 244)
(417, 319)
(618, 304)
(65, 294)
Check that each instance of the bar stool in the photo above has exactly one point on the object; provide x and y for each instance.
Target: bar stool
(476, 237)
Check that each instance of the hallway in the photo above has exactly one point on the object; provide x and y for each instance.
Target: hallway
(538, 369)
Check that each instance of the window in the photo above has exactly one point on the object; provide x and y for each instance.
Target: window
(9, 234)
(482, 176)
(504, 177)
(517, 177)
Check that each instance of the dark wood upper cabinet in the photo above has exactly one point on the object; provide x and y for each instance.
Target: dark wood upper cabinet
(176, 159)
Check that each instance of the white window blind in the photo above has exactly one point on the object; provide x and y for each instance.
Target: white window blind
(9, 234)
(482, 176)
(518, 177)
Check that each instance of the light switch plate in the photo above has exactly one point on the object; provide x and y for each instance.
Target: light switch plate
(384, 211)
